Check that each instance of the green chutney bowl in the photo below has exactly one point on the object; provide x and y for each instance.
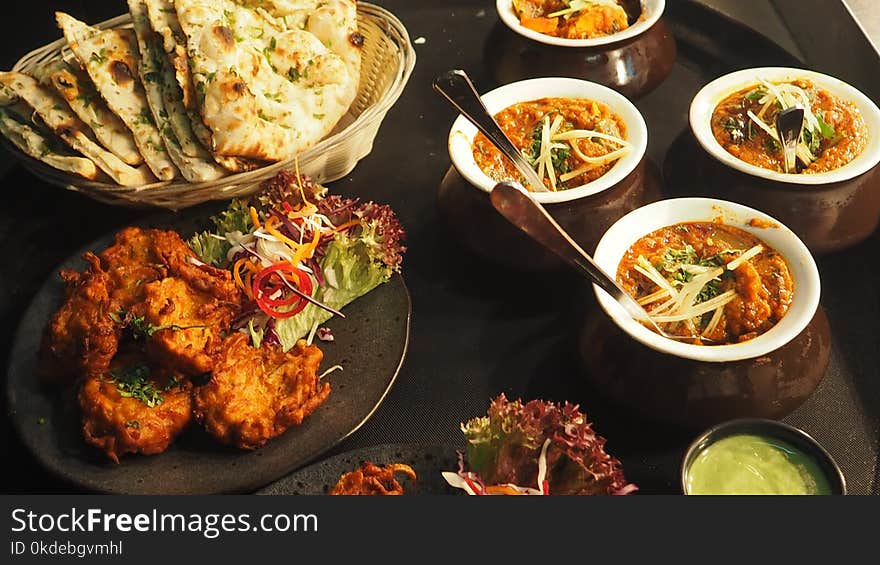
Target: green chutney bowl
(747, 456)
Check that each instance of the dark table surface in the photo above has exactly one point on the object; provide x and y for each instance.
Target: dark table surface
(478, 330)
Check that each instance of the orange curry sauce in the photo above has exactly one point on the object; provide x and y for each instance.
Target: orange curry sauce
(595, 20)
(763, 284)
(743, 139)
(521, 121)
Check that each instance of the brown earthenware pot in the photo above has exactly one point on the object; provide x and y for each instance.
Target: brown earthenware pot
(633, 66)
(830, 210)
(691, 385)
(696, 394)
(828, 218)
(471, 217)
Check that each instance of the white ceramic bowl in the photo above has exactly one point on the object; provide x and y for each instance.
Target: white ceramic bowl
(463, 132)
(708, 98)
(651, 10)
(642, 221)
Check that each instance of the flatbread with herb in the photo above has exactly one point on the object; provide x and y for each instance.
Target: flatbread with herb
(193, 160)
(80, 94)
(163, 19)
(334, 22)
(41, 146)
(266, 91)
(59, 118)
(110, 57)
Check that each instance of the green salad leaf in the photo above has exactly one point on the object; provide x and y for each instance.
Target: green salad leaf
(211, 250)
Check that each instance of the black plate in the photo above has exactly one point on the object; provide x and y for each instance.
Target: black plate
(428, 461)
(370, 344)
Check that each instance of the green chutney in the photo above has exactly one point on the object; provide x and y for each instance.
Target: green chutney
(749, 464)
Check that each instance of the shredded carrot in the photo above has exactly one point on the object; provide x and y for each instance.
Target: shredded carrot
(307, 250)
(270, 227)
(254, 217)
(303, 211)
(347, 225)
(249, 281)
(236, 274)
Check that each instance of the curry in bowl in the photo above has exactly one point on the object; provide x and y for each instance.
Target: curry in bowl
(569, 141)
(571, 19)
(834, 131)
(710, 280)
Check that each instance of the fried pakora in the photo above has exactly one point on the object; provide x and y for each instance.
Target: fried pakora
(133, 409)
(131, 263)
(183, 263)
(186, 325)
(140, 256)
(111, 295)
(371, 479)
(81, 338)
(256, 394)
(145, 316)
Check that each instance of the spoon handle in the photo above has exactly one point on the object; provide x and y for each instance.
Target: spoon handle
(458, 89)
(520, 209)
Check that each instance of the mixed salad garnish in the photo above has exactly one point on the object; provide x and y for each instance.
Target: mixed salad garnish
(300, 256)
(535, 448)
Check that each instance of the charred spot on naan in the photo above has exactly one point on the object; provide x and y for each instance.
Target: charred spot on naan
(121, 73)
(180, 63)
(356, 39)
(225, 36)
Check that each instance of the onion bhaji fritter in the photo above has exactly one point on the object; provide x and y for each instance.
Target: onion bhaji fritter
(371, 479)
(100, 302)
(132, 262)
(187, 323)
(256, 394)
(133, 409)
(146, 315)
(81, 339)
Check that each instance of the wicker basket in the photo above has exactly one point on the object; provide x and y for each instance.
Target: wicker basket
(388, 61)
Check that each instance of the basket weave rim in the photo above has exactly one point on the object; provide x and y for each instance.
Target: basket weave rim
(387, 22)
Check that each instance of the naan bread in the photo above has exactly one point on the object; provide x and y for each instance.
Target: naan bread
(267, 92)
(334, 22)
(163, 19)
(40, 146)
(58, 117)
(111, 58)
(78, 91)
(192, 159)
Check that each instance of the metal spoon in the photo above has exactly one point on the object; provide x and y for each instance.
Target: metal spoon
(514, 203)
(456, 87)
(789, 125)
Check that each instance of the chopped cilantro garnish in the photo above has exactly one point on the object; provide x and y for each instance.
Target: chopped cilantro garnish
(139, 326)
(756, 95)
(134, 382)
(826, 129)
(100, 57)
